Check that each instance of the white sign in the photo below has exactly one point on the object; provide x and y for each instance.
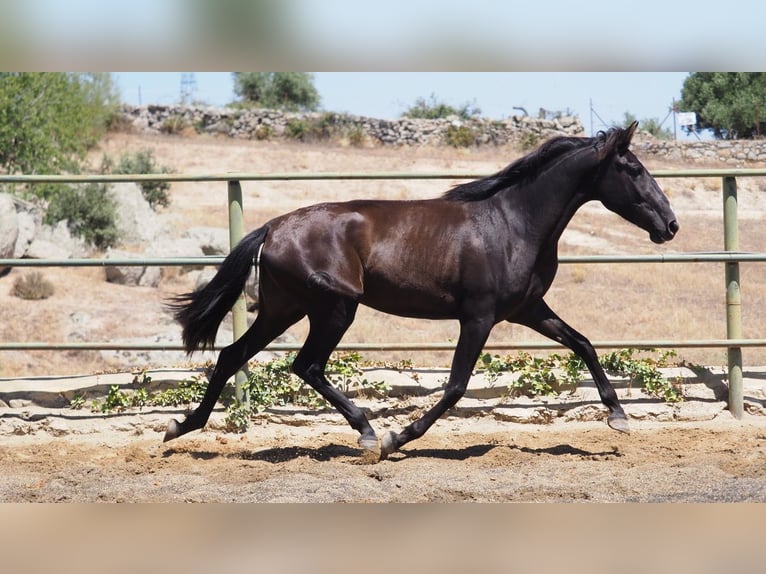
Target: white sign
(686, 118)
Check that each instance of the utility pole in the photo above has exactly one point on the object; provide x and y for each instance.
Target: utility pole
(188, 87)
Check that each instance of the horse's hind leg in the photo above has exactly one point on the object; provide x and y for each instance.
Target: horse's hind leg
(327, 326)
(266, 327)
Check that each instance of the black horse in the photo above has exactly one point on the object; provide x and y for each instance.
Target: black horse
(484, 252)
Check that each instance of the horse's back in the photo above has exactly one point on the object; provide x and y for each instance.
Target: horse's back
(397, 256)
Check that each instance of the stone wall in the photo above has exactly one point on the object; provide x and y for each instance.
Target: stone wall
(735, 153)
(274, 124)
(525, 131)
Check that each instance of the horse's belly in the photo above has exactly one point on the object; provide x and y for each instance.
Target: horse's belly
(427, 301)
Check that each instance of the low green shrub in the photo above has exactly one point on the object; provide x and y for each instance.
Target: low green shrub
(269, 384)
(89, 211)
(460, 136)
(549, 375)
(142, 162)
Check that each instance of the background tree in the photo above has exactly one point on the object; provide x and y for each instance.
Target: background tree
(49, 120)
(649, 125)
(731, 104)
(293, 91)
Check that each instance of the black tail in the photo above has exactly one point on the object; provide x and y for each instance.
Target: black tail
(200, 313)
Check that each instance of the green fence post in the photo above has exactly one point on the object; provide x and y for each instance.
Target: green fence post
(239, 310)
(733, 297)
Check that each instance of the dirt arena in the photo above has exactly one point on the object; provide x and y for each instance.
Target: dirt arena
(81, 457)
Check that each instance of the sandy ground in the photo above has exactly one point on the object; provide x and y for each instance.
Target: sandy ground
(122, 459)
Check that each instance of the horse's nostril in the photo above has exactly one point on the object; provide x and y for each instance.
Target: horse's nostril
(673, 227)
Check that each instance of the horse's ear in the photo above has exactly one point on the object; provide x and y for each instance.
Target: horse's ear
(617, 141)
(623, 142)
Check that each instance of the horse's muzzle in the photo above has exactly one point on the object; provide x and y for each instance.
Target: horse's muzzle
(669, 233)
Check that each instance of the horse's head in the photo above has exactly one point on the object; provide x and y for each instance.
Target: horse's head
(626, 188)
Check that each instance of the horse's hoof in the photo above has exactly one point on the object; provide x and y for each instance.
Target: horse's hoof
(371, 444)
(618, 423)
(371, 449)
(387, 445)
(173, 430)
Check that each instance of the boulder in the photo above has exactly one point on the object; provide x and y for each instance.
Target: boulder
(9, 226)
(56, 242)
(137, 275)
(29, 221)
(212, 240)
(136, 221)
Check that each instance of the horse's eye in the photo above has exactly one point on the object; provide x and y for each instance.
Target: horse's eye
(632, 168)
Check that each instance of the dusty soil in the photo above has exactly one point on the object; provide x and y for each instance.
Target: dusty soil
(122, 459)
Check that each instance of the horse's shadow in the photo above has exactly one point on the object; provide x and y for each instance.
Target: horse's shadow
(330, 452)
(566, 449)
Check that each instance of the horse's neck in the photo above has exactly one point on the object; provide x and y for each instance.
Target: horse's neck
(551, 200)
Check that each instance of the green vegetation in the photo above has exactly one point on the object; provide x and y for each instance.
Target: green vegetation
(433, 108)
(141, 162)
(644, 371)
(460, 136)
(536, 375)
(270, 384)
(327, 126)
(529, 141)
(649, 125)
(731, 104)
(89, 211)
(175, 124)
(293, 91)
(541, 376)
(187, 391)
(49, 120)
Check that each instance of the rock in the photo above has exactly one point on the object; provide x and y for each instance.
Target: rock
(43, 249)
(136, 221)
(56, 242)
(203, 277)
(57, 426)
(28, 224)
(144, 276)
(9, 226)
(19, 403)
(585, 413)
(524, 414)
(179, 247)
(212, 240)
(698, 410)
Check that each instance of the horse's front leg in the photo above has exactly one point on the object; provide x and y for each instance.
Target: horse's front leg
(473, 335)
(542, 319)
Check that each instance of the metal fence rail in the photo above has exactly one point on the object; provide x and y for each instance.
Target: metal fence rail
(731, 257)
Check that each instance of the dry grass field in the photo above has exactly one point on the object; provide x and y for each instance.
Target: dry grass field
(605, 301)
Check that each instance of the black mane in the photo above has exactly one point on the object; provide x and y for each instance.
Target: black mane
(523, 169)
